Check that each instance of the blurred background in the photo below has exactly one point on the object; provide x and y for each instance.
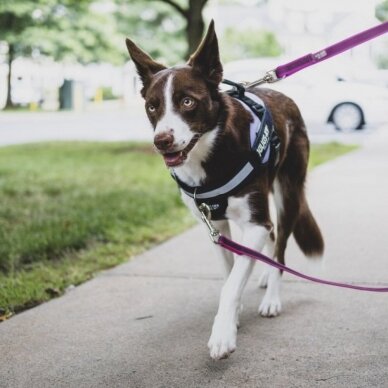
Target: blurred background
(65, 72)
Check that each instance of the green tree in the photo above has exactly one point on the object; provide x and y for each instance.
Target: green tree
(62, 29)
(195, 25)
(381, 11)
(157, 29)
(248, 43)
(178, 25)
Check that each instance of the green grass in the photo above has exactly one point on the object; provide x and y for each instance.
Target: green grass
(69, 210)
(321, 153)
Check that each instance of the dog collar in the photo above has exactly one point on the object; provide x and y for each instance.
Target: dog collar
(265, 146)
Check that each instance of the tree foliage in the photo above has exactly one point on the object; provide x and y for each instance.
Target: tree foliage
(62, 29)
(167, 29)
(248, 43)
(158, 30)
(381, 11)
(65, 29)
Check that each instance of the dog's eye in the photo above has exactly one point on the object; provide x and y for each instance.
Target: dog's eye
(188, 102)
(151, 108)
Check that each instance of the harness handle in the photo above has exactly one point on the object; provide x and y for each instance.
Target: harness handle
(238, 87)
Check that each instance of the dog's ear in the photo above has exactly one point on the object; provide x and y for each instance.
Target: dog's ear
(207, 58)
(145, 65)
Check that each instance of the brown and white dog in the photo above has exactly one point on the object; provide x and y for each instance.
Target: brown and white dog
(202, 135)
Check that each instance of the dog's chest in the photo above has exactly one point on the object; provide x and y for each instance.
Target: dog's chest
(192, 172)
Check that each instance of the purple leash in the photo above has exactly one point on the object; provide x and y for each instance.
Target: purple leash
(241, 250)
(284, 71)
(238, 249)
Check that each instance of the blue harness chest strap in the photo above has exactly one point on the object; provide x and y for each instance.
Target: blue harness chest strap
(264, 149)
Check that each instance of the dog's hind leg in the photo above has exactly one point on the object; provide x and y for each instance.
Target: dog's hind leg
(288, 186)
(293, 212)
(293, 215)
(287, 197)
(288, 189)
(287, 200)
(270, 306)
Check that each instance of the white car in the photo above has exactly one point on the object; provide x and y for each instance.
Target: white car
(323, 96)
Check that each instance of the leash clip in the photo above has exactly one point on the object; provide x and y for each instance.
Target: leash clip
(206, 218)
(269, 78)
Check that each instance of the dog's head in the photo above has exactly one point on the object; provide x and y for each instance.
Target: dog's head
(181, 102)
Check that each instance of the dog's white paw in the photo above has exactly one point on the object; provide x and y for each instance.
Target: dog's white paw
(222, 341)
(270, 307)
(263, 280)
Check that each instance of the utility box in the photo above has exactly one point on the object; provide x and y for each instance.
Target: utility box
(66, 95)
(71, 96)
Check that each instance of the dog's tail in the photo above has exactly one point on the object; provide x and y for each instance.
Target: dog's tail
(307, 233)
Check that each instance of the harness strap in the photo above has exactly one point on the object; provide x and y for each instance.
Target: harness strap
(224, 189)
(253, 103)
(265, 137)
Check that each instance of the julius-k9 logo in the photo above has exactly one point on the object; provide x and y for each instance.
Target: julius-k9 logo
(263, 142)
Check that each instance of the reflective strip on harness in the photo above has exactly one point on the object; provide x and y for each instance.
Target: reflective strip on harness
(227, 187)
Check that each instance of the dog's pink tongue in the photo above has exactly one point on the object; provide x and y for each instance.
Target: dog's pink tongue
(173, 159)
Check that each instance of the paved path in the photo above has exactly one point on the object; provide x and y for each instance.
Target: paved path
(146, 323)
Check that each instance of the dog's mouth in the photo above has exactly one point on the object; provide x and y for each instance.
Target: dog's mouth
(175, 159)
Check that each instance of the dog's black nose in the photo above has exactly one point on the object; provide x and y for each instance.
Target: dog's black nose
(163, 141)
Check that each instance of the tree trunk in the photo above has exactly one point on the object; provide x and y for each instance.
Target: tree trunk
(11, 56)
(195, 25)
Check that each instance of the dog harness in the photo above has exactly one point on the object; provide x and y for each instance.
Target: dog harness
(265, 146)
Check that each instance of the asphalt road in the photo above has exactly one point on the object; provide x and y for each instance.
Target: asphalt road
(105, 124)
(146, 323)
(114, 123)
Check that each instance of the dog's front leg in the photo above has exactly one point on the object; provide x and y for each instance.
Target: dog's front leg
(222, 341)
(226, 256)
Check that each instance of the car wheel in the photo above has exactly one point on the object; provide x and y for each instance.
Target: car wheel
(347, 116)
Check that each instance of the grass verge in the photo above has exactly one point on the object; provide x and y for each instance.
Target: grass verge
(69, 210)
(321, 153)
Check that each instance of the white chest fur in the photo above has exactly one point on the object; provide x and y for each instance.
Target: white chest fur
(192, 172)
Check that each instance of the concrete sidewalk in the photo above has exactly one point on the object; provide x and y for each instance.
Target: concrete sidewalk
(146, 323)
